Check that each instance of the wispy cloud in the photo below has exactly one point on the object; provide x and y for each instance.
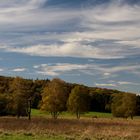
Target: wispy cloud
(55, 69)
(68, 50)
(59, 68)
(116, 84)
(127, 83)
(108, 69)
(105, 85)
(19, 69)
(101, 31)
(1, 69)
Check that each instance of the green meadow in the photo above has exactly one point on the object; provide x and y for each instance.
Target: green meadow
(38, 113)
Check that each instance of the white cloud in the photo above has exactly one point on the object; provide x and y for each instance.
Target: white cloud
(107, 74)
(3, 47)
(127, 83)
(116, 84)
(115, 69)
(19, 69)
(59, 68)
(67, 50)
(110, 13)
(76, 49)
(7, 6)
(105, 85)
(135, 43)
(102, 23)
(1, 69)
(29, 15)
(56, 69)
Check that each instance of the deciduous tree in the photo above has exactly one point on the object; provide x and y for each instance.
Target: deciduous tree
(124, 105)
(22, 92)
(54, 97)
(78, 101)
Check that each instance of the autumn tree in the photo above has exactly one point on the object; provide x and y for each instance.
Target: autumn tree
(5, 84)
(54, 97)
(22, 93)
(78, 101)
(124, 105)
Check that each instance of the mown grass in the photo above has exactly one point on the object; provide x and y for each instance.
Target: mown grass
(38, 113)
(98, 115)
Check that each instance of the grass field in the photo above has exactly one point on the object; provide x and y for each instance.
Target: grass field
(42, 127)
(39, 113)
(68, 129)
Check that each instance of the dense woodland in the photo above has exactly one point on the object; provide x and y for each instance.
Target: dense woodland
(56, 96)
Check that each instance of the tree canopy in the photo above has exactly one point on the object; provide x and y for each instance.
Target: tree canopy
(78, 101)
(124, 105)
(54, 97)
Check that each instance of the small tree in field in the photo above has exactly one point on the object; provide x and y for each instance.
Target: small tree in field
(78, 101)
(54, 97)
(124, 105)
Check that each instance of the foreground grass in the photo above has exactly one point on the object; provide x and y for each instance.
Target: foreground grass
(40, 128)
(28, 136)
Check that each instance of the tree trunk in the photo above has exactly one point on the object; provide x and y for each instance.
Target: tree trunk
(29, 109)
(78, 115)
(18, 116)
(29, 116)
(54, 115)
(131, 116)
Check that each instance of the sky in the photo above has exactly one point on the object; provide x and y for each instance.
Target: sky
(91, 42)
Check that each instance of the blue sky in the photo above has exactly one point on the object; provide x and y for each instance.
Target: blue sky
(92, 42)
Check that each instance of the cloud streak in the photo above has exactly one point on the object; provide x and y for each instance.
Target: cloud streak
(59, 68)
(116, 84)
(19, 69)
(55, 69)
(105, 85)
(69, 50)
(1, 69)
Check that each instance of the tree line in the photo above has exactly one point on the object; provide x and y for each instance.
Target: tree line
(18, 95)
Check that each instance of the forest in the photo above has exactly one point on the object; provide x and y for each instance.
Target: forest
(56, 96)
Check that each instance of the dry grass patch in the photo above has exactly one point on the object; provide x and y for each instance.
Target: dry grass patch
(84, 128)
